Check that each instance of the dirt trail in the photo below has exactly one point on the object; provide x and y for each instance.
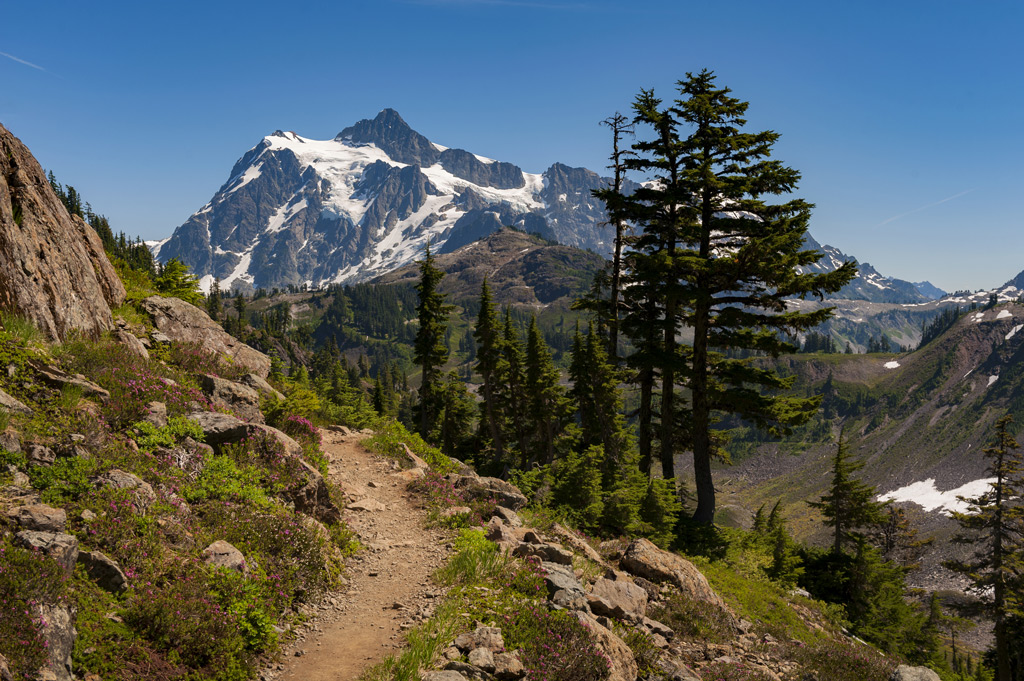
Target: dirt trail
(389, 581)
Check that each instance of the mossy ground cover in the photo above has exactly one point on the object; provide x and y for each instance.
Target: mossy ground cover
(179, 617)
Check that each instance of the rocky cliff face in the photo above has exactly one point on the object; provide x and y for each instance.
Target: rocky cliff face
(52, 266)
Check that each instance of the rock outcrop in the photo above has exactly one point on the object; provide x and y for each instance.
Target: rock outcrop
(644, 559)
(181, 321)
(53, 269)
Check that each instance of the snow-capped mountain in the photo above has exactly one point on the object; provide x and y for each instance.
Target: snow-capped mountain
(300, 211)
(303, 211)
(868, 284)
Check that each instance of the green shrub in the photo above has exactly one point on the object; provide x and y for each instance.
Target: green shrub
(843, 661)
(440, 494)
(27, 579)
(694, 619)
(222, 480)
(66, 480)
(289, 558)
(177, 614)
(475, 561)
(554, 645)
(149, 437)
(391, 435)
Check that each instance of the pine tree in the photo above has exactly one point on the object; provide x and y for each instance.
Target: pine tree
(430, 350)
(457, 410)
(214, 304)
(722, 262)
(849, 505)
(995, 524)
(491, 365)
(176, 280)
(785, 567)
(549, 406)
(512, 392)
(620, 126)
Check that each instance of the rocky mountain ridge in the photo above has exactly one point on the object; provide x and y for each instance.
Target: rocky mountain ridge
(299, 211)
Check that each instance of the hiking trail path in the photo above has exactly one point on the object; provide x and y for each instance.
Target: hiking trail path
(389, 585)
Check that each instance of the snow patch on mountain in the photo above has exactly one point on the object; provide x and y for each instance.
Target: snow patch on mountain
(926, 495)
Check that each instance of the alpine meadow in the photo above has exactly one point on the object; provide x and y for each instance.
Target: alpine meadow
(370, 407)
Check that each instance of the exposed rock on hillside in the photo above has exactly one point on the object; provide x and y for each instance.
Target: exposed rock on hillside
(520, 269)
(52, 266)
(184, 322)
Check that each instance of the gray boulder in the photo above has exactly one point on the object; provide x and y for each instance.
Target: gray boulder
(183, 322)
(40, 455)
(220, 428)
(13, 404)
(907, 673)
(104, 571)
(261, 386)
(55, 378)
(642, 558)
(63, 548)
(618, 599)
(559, 578)
(53, 269)
(481, 658)
(142, 491)
(5, 671)
(241, 399)
(131, 341)
(508, 666)
(222, 554)
(59, 634)
(504, 493)
(482, 637)
(445, 675)
(548, 553)
(39, 517)
(156, 414)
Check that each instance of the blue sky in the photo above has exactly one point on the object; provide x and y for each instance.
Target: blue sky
(905, 118)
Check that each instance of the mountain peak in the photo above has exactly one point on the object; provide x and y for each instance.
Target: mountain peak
(389, 132)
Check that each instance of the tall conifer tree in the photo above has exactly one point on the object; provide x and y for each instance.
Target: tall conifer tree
(548, 405)
(849, 506)
(430, 350)
(721, 261)
(491, 365)
(995, 525)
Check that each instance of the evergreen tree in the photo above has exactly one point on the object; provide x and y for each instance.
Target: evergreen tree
(722, 262)
(785, 567)
(513, 393)
(659, 511)
(849, 505)
(995, 524)
(214, 304)
(620, 126)
(898, 541)
(491, 365)
(549, 406)
(176, 280)
(430, 350)
(241, 317)
(457, 411)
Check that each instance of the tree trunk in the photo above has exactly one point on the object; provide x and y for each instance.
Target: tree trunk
(703, 482)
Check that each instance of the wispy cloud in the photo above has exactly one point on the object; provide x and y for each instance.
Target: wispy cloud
(22, 61)
(531, 4)
(926, 207)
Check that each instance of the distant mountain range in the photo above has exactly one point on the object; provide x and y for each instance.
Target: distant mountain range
(299, 211)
